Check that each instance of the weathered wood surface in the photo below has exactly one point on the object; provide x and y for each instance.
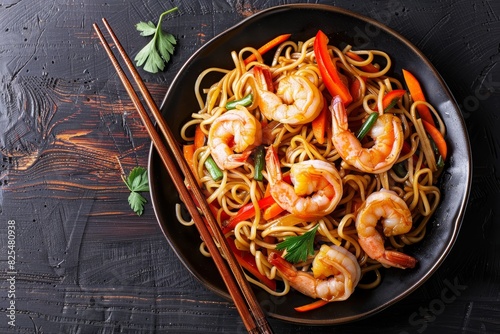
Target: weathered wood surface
(86, 264)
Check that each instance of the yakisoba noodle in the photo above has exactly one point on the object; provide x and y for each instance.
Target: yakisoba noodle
(395, 180)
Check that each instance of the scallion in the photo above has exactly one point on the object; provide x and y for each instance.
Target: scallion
(367, 125)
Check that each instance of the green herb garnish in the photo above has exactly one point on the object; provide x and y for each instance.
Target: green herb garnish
(299, 247)
(137, 181)
(157, 52)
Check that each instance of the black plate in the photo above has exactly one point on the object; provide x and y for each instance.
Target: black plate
(342, 26)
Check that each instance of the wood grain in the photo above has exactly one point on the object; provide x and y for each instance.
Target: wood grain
(87, 264)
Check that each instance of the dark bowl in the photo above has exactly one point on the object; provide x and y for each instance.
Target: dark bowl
(342, 26)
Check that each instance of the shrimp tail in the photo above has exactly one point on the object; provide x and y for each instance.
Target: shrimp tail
(339, 114)
(282, 265)
(387, 257)
(273, 165)
(398, 259)
(238, 159)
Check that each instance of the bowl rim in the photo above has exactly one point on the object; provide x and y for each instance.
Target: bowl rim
(463, 199)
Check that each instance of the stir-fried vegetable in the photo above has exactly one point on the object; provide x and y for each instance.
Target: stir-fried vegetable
(328, 69)
(319, 125)
(268, 46)
(212, 168)
(437, 137)
(245, 102)
(417, 94)
(370, 68)
(247, 212)
(247, 261)
(367, 125)
(311, 306)
(259, 158)
(391, 98)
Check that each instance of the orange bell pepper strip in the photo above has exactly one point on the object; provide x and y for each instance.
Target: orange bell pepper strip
(438, 138)
(418, 95)
(247, 261)
(247, 212)
(328, 70)
(199, 137)
(268, 46)
(188, 152)
(311, 306)
(189, 149)
(272, 211)
(320, 123)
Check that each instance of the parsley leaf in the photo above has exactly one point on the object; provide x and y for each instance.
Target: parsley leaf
(298, 247)
(137, 181)
(157, 52)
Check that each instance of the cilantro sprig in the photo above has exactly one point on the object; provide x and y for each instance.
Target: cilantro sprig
(299, 247)
(137, 182)
(157, 52)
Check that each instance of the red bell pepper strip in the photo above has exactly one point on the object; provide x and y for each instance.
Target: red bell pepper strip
(370, 68)
(268, 46)
(247, 212)
(328, 70)
(437, 137)
(320, 123)
(391, 98)
(247, 261)
(355, 89)
(406, 148)
(311, 306)
(418, 95)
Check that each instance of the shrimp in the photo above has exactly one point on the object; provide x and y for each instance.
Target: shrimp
(316, 190)
(387, 206)
(387, 132)
(335, 274)
(296, 101)
(234, 131)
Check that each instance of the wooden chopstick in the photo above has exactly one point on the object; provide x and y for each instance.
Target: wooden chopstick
(234, 278)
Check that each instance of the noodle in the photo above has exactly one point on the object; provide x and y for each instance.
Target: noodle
(413, 180)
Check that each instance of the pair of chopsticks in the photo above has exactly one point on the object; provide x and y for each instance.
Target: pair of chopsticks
(244, 299)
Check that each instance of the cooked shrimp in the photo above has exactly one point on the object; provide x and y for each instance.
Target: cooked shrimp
(296, 101)
(316, 189)
(392, 211)
(387, 133)
(234, 131)
(335, 274)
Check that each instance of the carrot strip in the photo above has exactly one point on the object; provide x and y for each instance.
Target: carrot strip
(311, 306)
(437, 137)
(417, 94)
(268, 46)
(319, 124)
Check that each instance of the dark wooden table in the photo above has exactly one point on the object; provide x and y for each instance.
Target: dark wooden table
(85, 263)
